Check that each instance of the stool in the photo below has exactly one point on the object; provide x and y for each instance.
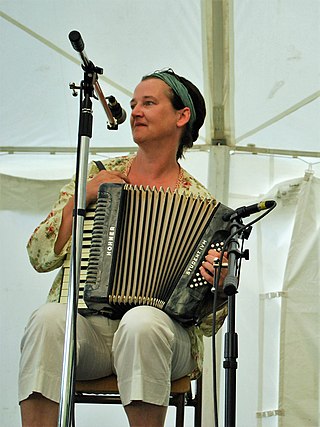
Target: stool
(105, 390)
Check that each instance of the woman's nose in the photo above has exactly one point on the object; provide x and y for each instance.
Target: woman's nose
(136, 111)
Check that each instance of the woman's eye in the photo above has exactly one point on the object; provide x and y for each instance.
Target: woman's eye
(145, 103)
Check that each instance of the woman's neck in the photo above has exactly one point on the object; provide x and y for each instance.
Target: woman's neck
(154, 169)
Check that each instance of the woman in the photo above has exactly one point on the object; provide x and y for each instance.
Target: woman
(167, 112)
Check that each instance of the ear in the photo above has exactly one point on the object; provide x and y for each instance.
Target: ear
(183, 116)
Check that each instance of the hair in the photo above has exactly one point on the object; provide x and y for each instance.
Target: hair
(190, 134)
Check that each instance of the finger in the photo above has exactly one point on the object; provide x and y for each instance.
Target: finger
(119, 175)
(110, 176)
(208, 266)
(206, 275)
(212, 259)
(215, 257)
(215, 253)
(101, 178)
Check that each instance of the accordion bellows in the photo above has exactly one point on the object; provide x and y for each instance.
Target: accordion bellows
(146, 249)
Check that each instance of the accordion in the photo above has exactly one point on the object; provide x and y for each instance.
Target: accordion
(145, 248)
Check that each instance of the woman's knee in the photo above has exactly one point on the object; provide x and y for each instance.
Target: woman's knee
(50, 315)
(144, 322)
(48, 321)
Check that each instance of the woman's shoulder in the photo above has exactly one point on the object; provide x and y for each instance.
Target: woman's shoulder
(113, 163)
(191, 185)
(118, 163)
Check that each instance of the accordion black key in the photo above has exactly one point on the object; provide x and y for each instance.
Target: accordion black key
(146, 249)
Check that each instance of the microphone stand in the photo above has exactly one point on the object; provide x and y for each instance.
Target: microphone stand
(230, 288)
(231, 338)
(69, 357)
(89, 83)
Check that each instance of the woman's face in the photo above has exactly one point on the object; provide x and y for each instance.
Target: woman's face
(153, 118)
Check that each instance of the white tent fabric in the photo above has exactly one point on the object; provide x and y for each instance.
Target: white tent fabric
(259, 50)
(257, 65)
(300, 320)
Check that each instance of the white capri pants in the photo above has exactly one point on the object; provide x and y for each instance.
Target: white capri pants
(146, 349)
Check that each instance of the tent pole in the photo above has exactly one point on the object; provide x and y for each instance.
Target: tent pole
(218, 174)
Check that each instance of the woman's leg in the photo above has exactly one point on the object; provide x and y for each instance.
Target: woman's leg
(141, 414)
(42, 355)
(38, 411)
(150, 349)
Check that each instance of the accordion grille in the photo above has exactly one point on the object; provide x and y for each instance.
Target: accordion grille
(155, 233)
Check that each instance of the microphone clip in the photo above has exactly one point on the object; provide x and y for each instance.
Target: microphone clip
(117, 112)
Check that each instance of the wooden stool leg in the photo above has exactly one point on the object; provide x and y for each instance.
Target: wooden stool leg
(198, 404)
(179, 410)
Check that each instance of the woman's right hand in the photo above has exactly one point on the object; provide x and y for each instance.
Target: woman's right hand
(91, 196)
(101, 178)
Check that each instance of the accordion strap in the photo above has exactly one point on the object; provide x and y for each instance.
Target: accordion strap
(99, 165)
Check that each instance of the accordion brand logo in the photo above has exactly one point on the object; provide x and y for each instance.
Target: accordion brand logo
(196, 256)
(110, 241)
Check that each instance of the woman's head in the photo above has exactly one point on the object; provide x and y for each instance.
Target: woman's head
(183, 93)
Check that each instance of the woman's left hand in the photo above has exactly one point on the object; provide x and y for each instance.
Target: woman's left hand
(208, 269)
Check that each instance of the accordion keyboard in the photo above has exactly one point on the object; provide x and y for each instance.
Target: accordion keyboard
(86, 243)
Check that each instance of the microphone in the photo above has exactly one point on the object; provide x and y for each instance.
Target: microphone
(117, 111)
(76, 41)
(78, 45)
(245, 211)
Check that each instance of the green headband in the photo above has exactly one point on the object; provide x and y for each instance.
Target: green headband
(179, 89)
